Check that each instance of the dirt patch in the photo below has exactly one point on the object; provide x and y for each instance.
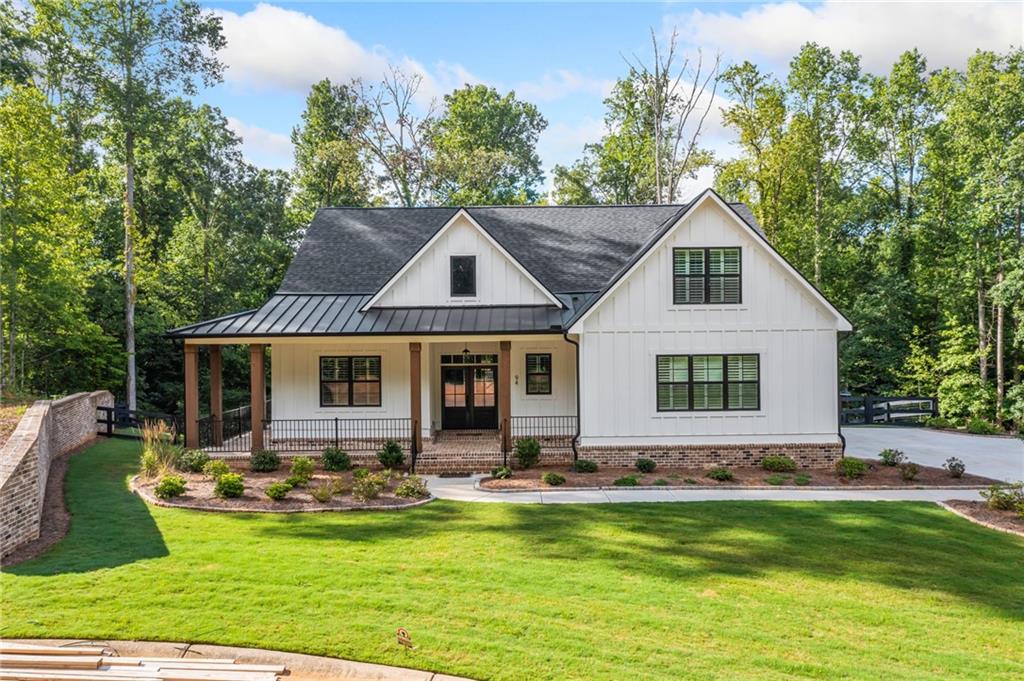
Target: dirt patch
(743, 476)
(10, 415)
(56, 519)
(199, 493)
(980, 512)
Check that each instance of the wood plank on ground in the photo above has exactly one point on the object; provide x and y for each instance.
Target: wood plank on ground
(8, 647)
(51, 661)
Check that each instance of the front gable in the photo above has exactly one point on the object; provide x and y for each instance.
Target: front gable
(426, 279)
(773, 295)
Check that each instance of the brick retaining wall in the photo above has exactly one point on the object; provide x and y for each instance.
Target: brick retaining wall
(806, 455)
(48, 430)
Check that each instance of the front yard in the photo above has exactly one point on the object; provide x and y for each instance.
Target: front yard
(673, 591)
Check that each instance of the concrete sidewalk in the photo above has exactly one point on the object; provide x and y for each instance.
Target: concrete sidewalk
(463, 489)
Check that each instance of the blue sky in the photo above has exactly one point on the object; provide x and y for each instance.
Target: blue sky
(562, 57)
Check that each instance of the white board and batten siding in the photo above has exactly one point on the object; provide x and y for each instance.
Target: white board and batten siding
(778, 319)
(427, 282)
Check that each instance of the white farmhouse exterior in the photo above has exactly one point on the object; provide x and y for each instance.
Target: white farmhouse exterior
(675, 333)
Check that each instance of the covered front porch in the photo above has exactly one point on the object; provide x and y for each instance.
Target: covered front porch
(456, 404)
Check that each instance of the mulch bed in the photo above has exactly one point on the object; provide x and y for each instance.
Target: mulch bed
(743, 476)
(199, 493)
(979, 510)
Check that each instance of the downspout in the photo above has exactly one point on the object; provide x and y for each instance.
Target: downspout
(840, 337)
(576, 436)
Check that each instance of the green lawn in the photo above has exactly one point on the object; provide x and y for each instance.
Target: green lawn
(672, 591)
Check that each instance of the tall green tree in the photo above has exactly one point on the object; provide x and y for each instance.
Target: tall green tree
(331, 167)
(485, 147)
(134, 53)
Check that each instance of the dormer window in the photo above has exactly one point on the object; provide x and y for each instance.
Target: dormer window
(463, 275)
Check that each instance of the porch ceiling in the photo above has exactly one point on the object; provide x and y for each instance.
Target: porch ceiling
(290, 314)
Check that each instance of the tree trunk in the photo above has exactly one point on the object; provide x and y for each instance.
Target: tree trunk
(817, 226)
(1000, 370)
(129, 265)
(982, 328)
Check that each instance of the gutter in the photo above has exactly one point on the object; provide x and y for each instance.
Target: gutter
(840, 337)
(576, 436)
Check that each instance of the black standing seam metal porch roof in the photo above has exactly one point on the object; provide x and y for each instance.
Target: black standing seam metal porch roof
(326, 314)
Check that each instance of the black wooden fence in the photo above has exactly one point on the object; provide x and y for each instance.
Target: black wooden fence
(120, 421)
(886, 410)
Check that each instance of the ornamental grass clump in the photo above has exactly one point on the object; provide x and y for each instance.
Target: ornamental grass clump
(160, 455)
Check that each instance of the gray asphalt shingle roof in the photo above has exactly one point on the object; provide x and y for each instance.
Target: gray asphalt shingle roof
(348, 254)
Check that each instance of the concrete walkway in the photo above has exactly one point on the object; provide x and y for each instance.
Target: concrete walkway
(463, 489)
(1001, 458)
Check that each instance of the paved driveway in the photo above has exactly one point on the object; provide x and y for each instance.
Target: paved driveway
(995, 457)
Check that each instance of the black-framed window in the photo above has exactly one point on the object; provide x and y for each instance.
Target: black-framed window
(463, 275)
(538, 373)
(709, 382)
(706, 276)
(350, 381)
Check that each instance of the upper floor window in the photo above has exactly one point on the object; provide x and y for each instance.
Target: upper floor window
(463, 275)
(706, 275)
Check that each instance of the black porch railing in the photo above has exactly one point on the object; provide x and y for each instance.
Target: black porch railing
(553, 432)
(233, 433)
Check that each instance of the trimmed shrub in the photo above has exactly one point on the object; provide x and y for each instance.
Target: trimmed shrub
(646, 465)
(909, 470)
(851, 468)
(264, 461)
(391, 455)
(777, 479)
(891, 457)
(336, 459)
(302, 468)
(939, 422)
(360, 473)
(170, 486)
(413, 487)
(214, 468)
(778, 464)
(296, 481)
(721, 474)
(193, 460)
(627, 481)
(585, 466)
(369, 486)
(1004, 497)
(977, 426)
(955, 467)
(802, 480)
(322, 492)
(229, 486)
(527, 452)
(278, 491)
(501, 473)
(553, 479)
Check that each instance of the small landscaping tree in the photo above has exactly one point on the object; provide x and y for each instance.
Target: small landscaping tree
(391, 455)
(527, 452)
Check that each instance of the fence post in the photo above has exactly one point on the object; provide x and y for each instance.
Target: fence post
(869, 411)
(888, 412)
(336, 440)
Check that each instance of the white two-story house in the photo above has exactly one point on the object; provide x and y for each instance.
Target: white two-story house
(608, 332)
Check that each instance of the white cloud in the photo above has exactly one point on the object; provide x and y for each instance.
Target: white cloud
(270, 47)
(263, 147)
(561, 83)
(562, 143)
(947, 33)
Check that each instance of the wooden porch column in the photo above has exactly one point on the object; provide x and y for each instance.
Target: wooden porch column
(505, 394)
(192, 396)
(415, 396)
(216, 397)
(257, 395)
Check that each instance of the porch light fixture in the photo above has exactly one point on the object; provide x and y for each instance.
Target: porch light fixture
(465, 352)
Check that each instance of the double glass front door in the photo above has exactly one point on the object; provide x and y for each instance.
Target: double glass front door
(470, 397)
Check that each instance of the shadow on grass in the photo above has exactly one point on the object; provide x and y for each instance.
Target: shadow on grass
(110, 526)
